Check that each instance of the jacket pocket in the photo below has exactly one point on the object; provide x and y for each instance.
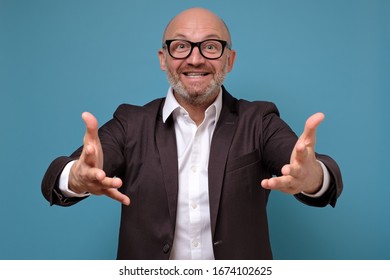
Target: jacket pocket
(242, 161)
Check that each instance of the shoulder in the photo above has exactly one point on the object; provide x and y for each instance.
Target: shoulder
(244, 107)
(260, 116)
(128, 117)
(134, 112)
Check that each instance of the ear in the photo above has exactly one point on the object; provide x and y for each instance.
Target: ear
(231, 59)
(161, 57)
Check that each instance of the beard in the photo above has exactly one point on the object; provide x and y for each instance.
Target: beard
(197, 94)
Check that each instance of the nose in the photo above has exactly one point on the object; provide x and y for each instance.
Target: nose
(196, 58)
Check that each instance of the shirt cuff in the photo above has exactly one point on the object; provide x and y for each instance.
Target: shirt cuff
(325, 182)
(63, 182)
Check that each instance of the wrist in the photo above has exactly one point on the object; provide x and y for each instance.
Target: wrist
(316, 187)
(65, 185)
(325, 182)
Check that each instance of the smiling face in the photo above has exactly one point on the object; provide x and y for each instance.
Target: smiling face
(196, 80)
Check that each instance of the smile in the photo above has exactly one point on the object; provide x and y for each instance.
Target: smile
(188, 74)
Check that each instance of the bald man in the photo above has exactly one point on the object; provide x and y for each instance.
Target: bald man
(198, 165)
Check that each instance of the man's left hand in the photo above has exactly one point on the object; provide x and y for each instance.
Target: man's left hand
(304, 173)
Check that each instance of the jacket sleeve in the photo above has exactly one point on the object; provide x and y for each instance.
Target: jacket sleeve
(111, 138)
(279, 141)
(335, 185)
(50, 180)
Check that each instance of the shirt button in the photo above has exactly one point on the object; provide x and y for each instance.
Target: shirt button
(193, 168)
(194, 205)
(166, 248)
(195, 243)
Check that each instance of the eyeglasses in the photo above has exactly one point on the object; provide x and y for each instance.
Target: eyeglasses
(182, 49)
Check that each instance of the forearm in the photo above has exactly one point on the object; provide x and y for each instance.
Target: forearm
(335, 186)
(50, 184)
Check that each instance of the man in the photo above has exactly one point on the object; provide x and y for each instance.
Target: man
(198, 165)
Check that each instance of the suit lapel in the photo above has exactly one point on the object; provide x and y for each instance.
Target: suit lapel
(219, 151)
(166, 144)
(222, 138)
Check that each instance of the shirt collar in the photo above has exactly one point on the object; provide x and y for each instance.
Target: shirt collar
(171, 105)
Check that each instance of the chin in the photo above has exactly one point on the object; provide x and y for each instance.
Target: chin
(196, 93)
(200, 96)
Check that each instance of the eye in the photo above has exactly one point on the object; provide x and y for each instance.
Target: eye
(211, 46)
(180, 46)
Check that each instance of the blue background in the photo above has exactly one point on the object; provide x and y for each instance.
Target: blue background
(60, 58)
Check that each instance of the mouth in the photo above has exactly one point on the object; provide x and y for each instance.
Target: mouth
(195, 74)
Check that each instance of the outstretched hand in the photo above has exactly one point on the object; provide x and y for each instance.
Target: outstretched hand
(87, 174)
(304, 173)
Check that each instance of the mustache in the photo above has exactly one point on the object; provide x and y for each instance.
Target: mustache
(199, 69)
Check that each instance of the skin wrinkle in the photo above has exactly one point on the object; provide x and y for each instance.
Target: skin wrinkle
(195, 94)
(195, 98)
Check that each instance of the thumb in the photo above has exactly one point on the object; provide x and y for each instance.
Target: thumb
(309, 134)
(91, 125)
(92, 152)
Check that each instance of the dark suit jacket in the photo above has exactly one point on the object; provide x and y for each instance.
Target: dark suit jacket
(250, 143)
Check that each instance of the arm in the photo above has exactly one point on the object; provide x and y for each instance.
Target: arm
(50, 187)
(86, 174)
(304, 173)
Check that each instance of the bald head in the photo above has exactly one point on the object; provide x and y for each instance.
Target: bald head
(196, 22)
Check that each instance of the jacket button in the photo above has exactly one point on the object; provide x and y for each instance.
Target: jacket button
(166, 248)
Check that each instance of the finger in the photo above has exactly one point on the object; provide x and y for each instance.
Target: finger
(89, 155)
(291, 170)
(95, 174)
(110, 183)
(301, 152)
(309, 134)
(282, 183)
(265, 183)
(99, 182)
(286, 170)
(276, 183)
(118, 196)
(91, 124)
(93, 153)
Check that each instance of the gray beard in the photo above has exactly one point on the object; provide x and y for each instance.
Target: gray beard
(197, 98)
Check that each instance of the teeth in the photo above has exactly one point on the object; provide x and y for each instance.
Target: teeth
(195, 74)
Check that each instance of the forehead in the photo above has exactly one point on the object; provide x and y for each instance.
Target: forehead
(196, 26)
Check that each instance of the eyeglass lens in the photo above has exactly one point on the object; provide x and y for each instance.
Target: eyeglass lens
(209, 48)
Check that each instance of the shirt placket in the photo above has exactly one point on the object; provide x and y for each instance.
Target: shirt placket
(193, 196)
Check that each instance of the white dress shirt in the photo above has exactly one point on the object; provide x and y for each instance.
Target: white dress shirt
(192, 238)
(193, 232)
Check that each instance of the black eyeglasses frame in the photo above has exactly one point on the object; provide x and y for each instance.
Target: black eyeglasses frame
(225, 44)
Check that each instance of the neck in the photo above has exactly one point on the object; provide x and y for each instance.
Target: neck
(196, 114)
(196, 110)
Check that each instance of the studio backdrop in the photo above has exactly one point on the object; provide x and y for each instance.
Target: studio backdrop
(61, 58)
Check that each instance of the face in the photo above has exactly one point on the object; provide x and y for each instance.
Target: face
(196, 80)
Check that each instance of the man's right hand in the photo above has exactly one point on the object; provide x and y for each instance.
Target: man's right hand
(87, 175)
